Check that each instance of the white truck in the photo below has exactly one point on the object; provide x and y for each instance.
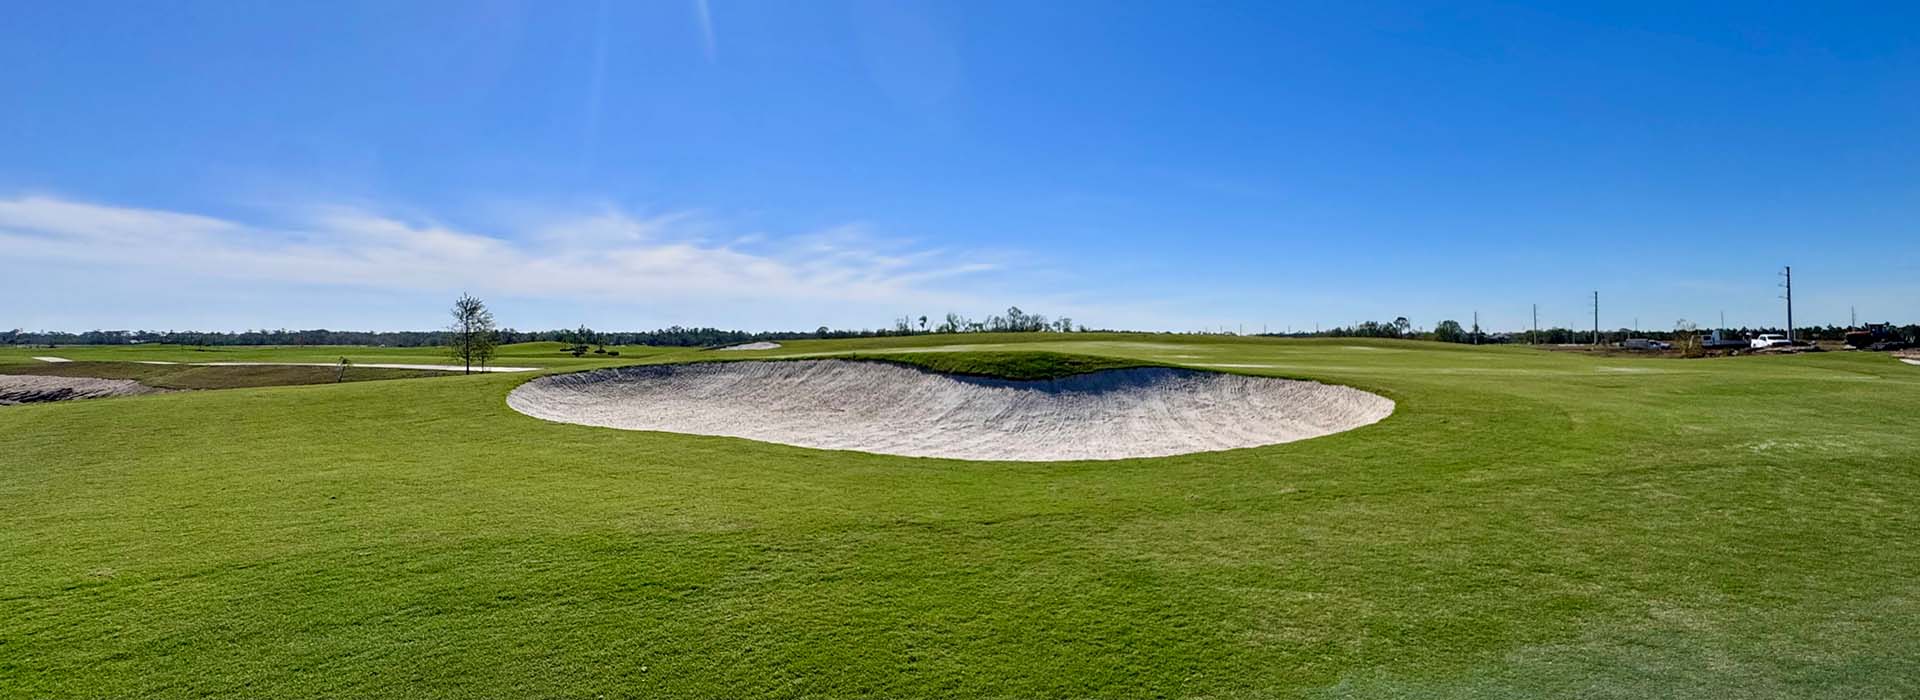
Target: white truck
(1769, 340)
(1718, 339)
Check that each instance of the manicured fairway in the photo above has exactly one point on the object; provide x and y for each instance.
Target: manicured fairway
(1526, 524)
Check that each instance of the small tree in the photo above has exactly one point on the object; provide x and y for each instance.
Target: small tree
(471, 338)
(340, 373)
(1449, 331)
(1686, 337)
(583, 339)
(923, 324)
(1401, 325)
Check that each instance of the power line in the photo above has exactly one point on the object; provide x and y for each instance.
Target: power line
(1789, 285)
(1596, 318)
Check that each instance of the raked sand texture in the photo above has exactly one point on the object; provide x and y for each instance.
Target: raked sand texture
(17, 388)
(890, 409)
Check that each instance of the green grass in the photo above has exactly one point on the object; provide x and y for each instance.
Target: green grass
(196, 377)
(1527, 524)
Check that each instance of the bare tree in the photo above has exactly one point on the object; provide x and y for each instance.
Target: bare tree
(471, 338)
(1686, 337)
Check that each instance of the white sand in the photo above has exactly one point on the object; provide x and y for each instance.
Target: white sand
(762, 345)
(890, 409)
(20, 388)
(52, 359)
(1911, 362)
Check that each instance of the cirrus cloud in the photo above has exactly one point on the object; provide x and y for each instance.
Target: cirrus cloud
(601, 255)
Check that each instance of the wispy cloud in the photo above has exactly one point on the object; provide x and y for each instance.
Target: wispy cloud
(704, 14)
(608, 254)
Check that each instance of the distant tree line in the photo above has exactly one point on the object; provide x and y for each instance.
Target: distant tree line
(1450, 331)
(253, 337)
(1013, 321)
(474, 334)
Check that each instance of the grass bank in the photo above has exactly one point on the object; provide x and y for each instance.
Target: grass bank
(1527, 524)
(1015, 365)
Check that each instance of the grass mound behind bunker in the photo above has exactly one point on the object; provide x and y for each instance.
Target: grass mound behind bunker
(890, 409)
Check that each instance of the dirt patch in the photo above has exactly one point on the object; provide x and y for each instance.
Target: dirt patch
(890, 409)
(763, 345)
(372, 365)
(19, 389)
(199, 376)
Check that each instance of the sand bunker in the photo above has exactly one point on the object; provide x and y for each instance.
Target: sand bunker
(891, 409)
(19, 388)
(762, 345)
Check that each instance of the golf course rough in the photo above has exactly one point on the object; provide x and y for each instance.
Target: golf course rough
(891, 409)
(1523, 526)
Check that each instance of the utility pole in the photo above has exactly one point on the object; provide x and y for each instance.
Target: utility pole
(1853, 320)
(1476, 328)
(1789, 285)
(1596, 318)
(1535, 338)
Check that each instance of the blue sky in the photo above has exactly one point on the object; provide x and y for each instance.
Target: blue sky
(1172, 166)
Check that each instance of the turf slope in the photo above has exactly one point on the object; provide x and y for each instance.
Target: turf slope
(1526, 524)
